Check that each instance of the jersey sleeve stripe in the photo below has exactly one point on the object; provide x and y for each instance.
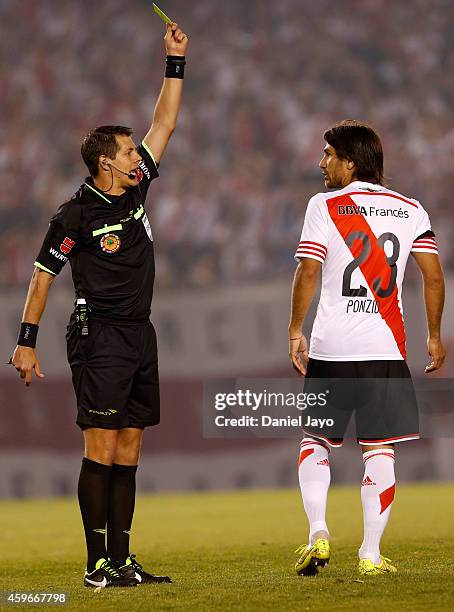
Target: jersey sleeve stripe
(313, 250)
(309, 243)
(38, 265)
(424, 240)
(148, 150)
(425, 249)
(425, 246)
(424, 243)
(300, 254)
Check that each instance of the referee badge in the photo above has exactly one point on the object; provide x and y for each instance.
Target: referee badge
(110, 243)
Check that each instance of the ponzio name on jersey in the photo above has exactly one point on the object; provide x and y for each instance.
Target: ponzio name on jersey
(362, 305)
(371, 211)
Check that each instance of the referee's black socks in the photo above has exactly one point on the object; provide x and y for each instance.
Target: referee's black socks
(122, 495)
(93, 494)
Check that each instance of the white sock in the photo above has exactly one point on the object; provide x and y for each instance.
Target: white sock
(377, 494)
(314, 475)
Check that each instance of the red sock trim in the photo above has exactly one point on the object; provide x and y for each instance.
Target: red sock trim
(316, 443)
(313, 444)
(385, 454)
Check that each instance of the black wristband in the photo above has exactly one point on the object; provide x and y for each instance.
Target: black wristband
(27, 335)
(175, 66)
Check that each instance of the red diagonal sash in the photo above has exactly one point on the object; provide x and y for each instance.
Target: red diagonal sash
(373, 267)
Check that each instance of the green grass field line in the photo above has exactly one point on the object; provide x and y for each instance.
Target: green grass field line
(234, 551)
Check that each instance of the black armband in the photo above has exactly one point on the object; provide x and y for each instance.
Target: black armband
(175, 66)
(27, 335)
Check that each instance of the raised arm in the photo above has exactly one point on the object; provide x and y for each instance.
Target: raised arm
(168, 104)
(434, 298)
(24, 358)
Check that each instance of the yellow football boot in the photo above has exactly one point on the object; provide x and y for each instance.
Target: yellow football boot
(312, 557)
(366, 567)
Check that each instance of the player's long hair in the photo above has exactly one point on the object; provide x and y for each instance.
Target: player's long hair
(101, 141)
(359, 143)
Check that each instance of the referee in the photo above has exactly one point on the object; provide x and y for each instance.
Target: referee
(104, 232)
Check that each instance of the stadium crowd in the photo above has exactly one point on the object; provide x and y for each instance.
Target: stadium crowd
(264, 80)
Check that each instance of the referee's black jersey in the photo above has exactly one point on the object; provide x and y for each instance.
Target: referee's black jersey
(108, 242)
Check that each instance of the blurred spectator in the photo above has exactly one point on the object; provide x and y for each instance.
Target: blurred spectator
(264, 79)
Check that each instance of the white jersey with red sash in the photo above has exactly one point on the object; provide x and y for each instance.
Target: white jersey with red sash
(363, 235)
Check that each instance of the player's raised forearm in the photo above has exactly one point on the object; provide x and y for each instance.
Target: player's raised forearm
(304, 284)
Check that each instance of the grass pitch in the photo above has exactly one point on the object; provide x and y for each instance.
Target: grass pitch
(234, 551)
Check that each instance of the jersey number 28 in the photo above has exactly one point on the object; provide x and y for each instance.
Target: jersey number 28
(361, 258)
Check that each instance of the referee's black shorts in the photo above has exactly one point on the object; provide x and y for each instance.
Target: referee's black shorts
(115, 374)
(380, 394)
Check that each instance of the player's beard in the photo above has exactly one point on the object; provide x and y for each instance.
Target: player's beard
(333, 182)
